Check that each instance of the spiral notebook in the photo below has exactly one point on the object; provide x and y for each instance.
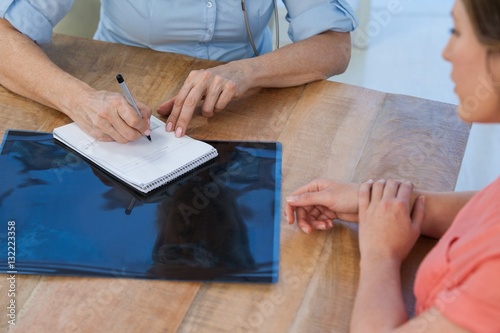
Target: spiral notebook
(145, 165)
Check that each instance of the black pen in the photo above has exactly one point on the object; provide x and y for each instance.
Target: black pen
(129, 97)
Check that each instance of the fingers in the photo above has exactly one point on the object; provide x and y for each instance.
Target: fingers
(185, 103)
(302, 220)
(374, 192)
(290, 214)
(405, 190)
(107, 116)
(314, 213)
(127, 124)
(211, 97)
(226, 96)
(146, 115)
(418, 213)
(134, 121)
(307, 221)
(166, 107)
(202, 87)
(364, 196)
(310, 187)
(183, 108)
(377, 190)
(310, 218)
(391, 189)
(145, 110)
(303, 196)
(114, 135)
(308, 199)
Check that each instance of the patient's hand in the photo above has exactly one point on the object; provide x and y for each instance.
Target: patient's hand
(315, 205)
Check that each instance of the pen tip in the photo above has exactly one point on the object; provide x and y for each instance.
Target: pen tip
(149, 137)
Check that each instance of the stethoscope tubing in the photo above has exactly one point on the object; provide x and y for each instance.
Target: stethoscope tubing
(249, 32)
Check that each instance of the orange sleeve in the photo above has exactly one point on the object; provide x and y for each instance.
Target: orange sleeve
(475, 303)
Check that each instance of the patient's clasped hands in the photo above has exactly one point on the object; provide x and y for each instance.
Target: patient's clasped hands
(389, 220)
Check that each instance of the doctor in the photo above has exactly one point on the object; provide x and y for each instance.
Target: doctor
(235, 32)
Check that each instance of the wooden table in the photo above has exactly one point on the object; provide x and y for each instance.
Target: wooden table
(327, 129)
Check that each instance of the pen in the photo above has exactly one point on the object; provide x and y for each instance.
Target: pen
(129, 97)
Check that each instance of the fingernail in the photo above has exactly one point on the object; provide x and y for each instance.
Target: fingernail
(305, 230)
(178, 132)
(169, 126)
(370, 180)
(291, 198)
(147, 132)
(321, 227)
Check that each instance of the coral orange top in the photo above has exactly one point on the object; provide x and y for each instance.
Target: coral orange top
(461, 275)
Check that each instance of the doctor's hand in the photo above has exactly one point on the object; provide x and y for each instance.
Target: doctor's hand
(107, 116)
(210, 89)
(315, 205)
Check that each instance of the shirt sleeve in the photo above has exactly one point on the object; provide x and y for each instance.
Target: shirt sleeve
(35, 18)
(475, 303)
(309, 18)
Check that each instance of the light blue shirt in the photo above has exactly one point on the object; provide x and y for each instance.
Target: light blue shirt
(209, 29)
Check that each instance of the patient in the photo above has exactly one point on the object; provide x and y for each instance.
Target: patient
(456, 286)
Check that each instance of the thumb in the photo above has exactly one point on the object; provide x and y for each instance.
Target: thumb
(145, 110)
(166, 107)
(417, 216)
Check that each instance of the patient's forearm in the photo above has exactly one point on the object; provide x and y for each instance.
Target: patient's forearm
(441, 208)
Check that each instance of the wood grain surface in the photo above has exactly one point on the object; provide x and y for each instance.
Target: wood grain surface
(327, 129)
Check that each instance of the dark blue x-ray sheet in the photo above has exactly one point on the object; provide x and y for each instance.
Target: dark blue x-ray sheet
(219, 222)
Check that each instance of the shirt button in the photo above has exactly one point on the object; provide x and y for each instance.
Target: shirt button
(209, 4)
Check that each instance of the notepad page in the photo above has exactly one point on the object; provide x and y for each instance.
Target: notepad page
(140, 162)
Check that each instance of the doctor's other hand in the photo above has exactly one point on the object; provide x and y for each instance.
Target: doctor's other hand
(210, 89)
(315, 205)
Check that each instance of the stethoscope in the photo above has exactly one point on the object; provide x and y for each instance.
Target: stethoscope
(276, 23)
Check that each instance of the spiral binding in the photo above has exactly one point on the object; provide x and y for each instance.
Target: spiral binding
(179, 171)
